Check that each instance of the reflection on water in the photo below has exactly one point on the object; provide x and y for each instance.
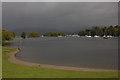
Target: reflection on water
(70, 51)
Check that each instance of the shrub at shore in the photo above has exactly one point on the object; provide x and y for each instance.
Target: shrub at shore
(33, 35)
(54, 34)
(6, 36)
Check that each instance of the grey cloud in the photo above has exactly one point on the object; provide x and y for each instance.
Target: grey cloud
(60, 0)
(67, 17)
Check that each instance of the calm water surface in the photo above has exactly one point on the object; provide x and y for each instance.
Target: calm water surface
(70, 51)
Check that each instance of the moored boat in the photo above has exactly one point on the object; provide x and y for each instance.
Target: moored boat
(105, 37)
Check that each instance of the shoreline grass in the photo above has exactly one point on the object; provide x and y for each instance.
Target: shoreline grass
(17, 38)
(10, 70)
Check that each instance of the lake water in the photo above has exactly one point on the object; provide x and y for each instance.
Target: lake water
(70, 51)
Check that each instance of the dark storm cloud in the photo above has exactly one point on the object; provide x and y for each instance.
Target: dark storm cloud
(1, 15)
(67, 17)
(60, 0)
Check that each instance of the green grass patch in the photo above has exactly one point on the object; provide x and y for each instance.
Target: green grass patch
(17, 38)
(11, 70)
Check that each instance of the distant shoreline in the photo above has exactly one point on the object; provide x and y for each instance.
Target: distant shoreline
(12, 58)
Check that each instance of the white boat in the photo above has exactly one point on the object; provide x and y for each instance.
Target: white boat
(75, 35)
(59, 36)
(96, 36)
(109, 36)
(105, 37)
(69, 35)
(87, 36)
(42, 36)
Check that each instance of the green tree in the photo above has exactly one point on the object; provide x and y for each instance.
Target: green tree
(88, 32)
(23, 35)
(82, 33)
(105, 30)
(13, 34)
(54, 34)
(116, 31)
(7, 35)
(33, 34)
(101, 31)
(0, 36)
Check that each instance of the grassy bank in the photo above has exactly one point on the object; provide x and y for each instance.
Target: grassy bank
(17, 38)
(11, 70)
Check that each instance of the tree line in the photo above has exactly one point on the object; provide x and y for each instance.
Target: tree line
(55, 34)
(7, 35)
(30, 35)
(101, 31)
(50, 34)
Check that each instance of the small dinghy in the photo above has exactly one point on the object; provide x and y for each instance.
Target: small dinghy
(105, 37)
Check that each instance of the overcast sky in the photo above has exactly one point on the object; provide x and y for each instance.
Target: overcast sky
(60, 0)
(56, 16)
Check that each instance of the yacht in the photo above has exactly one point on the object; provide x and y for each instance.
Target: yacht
(59, 36)
(96, 36)
(87, 36)
(105, 37)
(75, 35)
